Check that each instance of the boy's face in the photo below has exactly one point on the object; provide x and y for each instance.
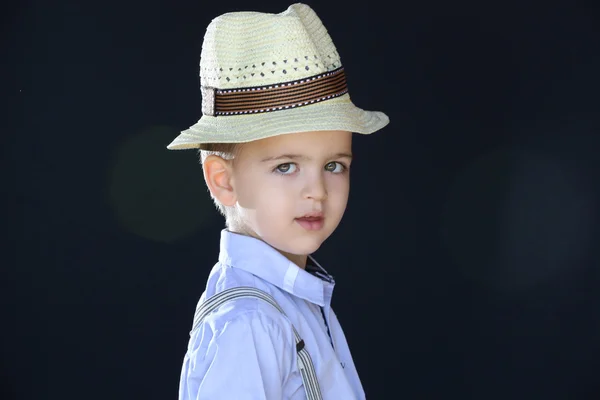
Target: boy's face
(291, 190)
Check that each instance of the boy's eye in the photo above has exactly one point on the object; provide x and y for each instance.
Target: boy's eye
(335, 167)
(287, 168)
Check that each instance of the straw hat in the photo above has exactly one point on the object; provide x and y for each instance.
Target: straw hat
(265, 74)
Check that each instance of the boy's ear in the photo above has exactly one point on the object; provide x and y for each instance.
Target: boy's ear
(218, 174)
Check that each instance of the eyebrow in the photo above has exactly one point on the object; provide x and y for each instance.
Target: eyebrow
(302, 157)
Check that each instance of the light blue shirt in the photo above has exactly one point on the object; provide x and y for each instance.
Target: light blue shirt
(246, 348)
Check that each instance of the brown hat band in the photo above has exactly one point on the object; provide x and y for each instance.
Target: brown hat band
(274, 97)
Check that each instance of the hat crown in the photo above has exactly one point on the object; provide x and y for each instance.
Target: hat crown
(247, 49)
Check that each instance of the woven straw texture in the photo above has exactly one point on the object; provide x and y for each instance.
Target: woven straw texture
(249, 49)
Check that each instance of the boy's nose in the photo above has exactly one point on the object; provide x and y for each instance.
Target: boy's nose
(316, 189)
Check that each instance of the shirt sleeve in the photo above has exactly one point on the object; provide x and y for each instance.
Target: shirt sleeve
(249, 358)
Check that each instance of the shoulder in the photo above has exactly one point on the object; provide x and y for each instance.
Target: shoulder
(251, 323)
(242, 311)
(240, 314)
(224, 278)
(242, 317)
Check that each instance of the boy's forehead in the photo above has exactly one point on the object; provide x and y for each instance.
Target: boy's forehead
(311, 142)
(298, 146)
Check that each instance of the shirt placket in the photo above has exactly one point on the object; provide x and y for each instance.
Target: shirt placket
(326, 322)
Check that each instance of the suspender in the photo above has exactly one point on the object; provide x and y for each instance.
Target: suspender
(309, 377)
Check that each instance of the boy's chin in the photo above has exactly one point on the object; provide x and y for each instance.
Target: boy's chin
(304, 247)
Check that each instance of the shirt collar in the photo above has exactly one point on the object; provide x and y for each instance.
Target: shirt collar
(257, 257)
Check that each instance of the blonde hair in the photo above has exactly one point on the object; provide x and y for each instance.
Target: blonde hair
(227, 151)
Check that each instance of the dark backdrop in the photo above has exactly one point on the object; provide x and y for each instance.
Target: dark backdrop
(467, 264)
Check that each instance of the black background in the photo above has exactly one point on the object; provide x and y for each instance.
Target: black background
(467, 264)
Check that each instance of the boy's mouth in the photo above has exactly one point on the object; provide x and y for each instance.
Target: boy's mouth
(311, 221)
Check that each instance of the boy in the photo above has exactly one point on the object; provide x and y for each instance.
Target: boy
(275, 141)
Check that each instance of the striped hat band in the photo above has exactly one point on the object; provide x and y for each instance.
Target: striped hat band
(274, 97)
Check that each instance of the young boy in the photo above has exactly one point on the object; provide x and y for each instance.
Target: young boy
(275, 141)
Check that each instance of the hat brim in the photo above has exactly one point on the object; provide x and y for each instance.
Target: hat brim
(334, 114)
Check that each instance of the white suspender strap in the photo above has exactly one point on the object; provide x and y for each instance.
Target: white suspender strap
(305, 365)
